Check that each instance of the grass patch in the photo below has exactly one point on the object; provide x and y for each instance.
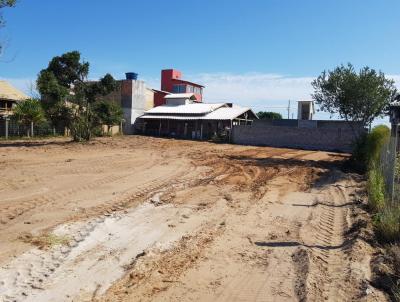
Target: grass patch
(376, 190)
(387, 225)
(45, 241)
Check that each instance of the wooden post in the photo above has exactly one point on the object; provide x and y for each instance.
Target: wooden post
(185, 131)
(159, 129)
(32, 129)
(201, 131)
(230, 132)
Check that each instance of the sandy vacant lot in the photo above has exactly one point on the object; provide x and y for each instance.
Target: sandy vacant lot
(146, 219)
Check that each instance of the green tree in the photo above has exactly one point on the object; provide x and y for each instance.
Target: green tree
(65, 82)
(108, 113)
(28, 113)
(361, 96)
(268, 115)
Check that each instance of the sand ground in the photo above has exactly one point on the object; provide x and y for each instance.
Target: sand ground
(147, 219)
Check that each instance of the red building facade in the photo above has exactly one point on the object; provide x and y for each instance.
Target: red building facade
(171, 81)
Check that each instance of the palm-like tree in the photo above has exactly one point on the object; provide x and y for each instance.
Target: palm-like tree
(29, 112)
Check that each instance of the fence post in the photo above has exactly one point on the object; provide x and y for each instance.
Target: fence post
(6, 119)
(394, 162)
(32, 129)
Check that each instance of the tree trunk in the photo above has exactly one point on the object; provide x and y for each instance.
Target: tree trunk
(32, 129)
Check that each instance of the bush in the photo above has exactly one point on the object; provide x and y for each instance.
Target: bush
(387, 224)
(367, 148)
(376, 190)
(378, 137)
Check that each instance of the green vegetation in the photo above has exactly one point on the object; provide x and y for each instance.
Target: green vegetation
(45, 240)
(68, 97)
(28, 113)
(361, 96)
(387, 224)
(386, 216)
(108, 113)
(376, 190)
(367, 149)
(268, 115)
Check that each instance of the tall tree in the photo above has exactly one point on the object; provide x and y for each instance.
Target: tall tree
(269, 115)
(64, 83)
(361, 96)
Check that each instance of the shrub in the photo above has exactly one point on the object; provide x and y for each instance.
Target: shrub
(378, 137)
(367, 148)
(376, 190)
(387, 224)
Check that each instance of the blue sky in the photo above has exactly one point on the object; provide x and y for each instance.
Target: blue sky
(257, 53)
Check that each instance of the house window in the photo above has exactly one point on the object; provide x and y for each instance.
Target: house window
(197, 90)
(179, 88)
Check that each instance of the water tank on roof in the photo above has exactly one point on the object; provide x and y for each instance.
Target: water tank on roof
(131, 76)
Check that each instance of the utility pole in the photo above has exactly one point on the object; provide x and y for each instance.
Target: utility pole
(288, 110)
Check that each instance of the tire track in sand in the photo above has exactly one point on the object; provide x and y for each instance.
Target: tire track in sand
(330, 267)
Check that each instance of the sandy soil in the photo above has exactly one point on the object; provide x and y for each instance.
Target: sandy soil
(146, 219)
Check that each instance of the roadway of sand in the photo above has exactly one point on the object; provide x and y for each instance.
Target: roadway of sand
(147, 219)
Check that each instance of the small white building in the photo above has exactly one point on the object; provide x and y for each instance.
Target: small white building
(305, 110)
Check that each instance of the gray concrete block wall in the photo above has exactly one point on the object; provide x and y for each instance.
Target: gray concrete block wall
(329, 139)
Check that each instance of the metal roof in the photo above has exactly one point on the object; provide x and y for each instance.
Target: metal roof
(218, 112)
(180, 96)
(227, 113)
(8, 92)
(190, 109)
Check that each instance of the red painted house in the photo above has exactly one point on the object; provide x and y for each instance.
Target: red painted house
(172, 82)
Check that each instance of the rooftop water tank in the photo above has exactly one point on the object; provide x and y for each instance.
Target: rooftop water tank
(131, 76)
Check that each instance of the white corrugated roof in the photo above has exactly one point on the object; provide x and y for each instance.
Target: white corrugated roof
(218, 113)
(7, 91)
(227, 113)
(171, 117)
(184, 109)
(180, 96)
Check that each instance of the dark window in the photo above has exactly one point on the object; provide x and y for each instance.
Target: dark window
(179, 88)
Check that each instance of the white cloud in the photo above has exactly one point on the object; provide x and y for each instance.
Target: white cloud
(254, 87)
(260, 91)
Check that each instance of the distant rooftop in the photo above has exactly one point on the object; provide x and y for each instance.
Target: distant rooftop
(9, 92)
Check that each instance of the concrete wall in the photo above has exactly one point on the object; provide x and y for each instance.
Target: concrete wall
(135, 100)
(330, 137)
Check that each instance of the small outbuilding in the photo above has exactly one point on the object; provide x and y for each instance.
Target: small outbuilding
(187, 119)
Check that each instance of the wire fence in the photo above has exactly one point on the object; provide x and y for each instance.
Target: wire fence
(389, 165)
(10, 128)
